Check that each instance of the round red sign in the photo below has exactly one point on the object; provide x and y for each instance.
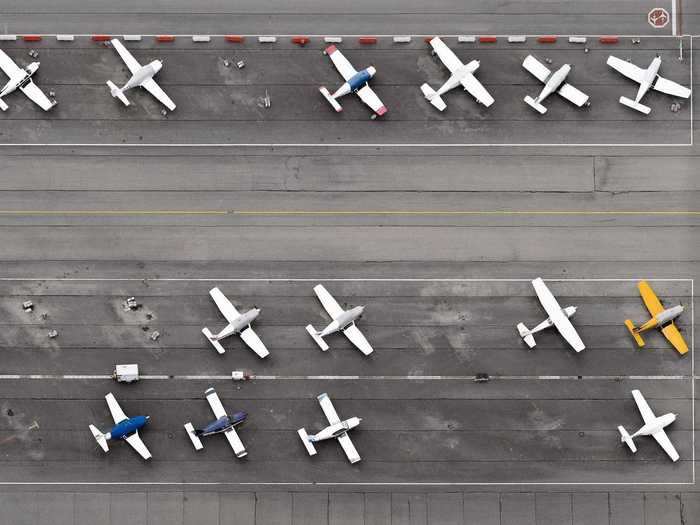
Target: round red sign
(658, 17)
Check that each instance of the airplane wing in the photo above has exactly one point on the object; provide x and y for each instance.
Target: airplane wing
(674, 337)
(135, 441)
(642, 405)
(626, 68)
(253, 341)
(477, 90)
(370, 98)
(662, 439)
(154, 89)
(551, 306)
(117, 413)
(225, 307)
(127, 57)
(349, 448)
(235, 442)
(446, 55)
(573, 95)
(330, 304)
(328, 409)
(341, 63)
(36, 95)
(651, 300)
(8, 65)
(537, 68)
(215, 403)
(671, 88)
(353, 333)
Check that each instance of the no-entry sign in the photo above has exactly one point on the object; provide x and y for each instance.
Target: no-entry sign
(658, 17)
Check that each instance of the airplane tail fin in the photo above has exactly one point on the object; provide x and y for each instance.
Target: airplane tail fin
(214, 342)
(307, 442)
(316, 337)
(194, 435)
(535, 105)
(526, 335)
(431, 95)
(3, 106)
(99, 437)
(626, 438)
(117, 93)
(630, 326)
(333, 102)
(635, 105)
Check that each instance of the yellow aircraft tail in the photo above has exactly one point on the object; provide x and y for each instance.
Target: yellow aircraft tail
(638, 338)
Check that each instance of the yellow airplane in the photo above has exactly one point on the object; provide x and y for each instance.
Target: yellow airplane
(661, 318)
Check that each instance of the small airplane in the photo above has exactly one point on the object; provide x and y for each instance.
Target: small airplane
(646, 78)
(126, 428)
(558, 316)
(22, 79)
(355, 82)
(342, 320)
(553, 82)
(337, 429)
(661, 318)
(223, 424)
(459, 74)
(653, 426)
(140, 76)
(238, 324)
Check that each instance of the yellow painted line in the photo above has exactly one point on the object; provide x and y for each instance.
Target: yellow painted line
(292, 213)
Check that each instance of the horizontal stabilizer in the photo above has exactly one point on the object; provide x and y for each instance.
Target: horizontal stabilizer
(99, 437)
(432, 96)
(626, 438)
(526, 335)
(319, 340)
(216, 344)
(635, 105)
(3, 106)
(333, 102)
(630, 326)
(193, 437)
(308, 444)
(117, 93)
(535, 105)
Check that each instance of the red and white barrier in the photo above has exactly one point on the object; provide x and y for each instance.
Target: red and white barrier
(236, 39)
(132, 38)
(488, 39)
(8, 37)
(201, 38)
(547, 39)
(31, 38)
(577, 40)
(300, 40)
(367, 40)
(65, 38)
(465, 39)
(165, 38)
(333, 39)
(100, 38)
(402, 39)
(609, 39)
(267, 39)
(517, 39)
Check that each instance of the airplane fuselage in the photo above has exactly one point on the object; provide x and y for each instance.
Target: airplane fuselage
(456, 77)
(334, 431)
(222, 424)
(649, 78)
(20, 80)
(343, 320)
(141, 75)
(661, 319)
(127, 427)
(240, 324)
(658, 423)
(554, 81)
(356, 82)
(568, 311)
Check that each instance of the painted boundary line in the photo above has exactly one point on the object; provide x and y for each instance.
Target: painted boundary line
(398, 484)
(255, 377)
(386, 145)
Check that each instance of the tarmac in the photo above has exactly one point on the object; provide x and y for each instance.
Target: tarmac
(439, 242)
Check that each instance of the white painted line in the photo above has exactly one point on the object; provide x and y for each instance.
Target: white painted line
(674, 27)
(341, 145)
(346, 279)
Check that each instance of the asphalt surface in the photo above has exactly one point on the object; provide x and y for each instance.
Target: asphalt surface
(438, 243)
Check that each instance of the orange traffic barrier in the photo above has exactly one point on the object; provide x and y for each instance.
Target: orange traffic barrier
(488, 39)
(609, 40)
(547, 39)
(300, 40)
(237, 39)
(31, 38)
(165, 38)
(100, 38)
(367, 40)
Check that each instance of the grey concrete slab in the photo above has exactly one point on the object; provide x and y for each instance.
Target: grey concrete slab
(237, 508)
(55, 508)
(311, 508)
(200, 508)
(165, 508)
(518, 508)
(662, 508)
(274, 508)
(409, 508)
(446, 509)
(553, 509)
(482, 509)
(690, 508)
(590, 509)
(18, 509)
(626, 508)
(128, 508)
(346, 508)
(92, 508)
(377, 509)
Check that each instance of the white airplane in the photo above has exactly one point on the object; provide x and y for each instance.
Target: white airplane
(558, 317)
(22, 79)
(460, 74)
(223, 424)
(140, 76)
(653, 426)
(355, 82)
(342, 320)
(646, 78)
(337, 429)
(553, 82)
(238, 324)
(126, 428)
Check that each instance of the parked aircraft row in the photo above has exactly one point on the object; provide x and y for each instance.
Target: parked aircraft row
(357, 82)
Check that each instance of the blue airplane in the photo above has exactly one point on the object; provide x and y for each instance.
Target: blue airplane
(126, 428)
(223, 424)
